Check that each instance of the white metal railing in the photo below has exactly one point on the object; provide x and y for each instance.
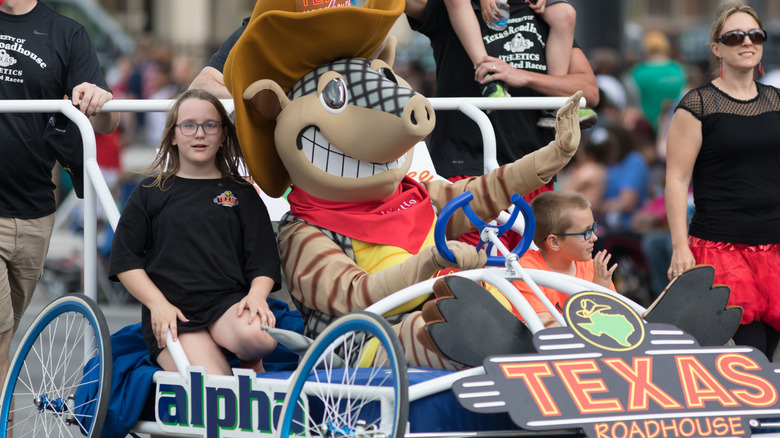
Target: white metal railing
(96, 189)
(472, 106)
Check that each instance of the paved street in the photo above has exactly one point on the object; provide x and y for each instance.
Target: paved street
(116, 316)
(65, 245)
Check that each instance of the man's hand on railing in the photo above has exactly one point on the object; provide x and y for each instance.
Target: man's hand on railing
(90, 98)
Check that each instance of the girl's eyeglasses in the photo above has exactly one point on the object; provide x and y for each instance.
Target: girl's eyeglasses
(190, 128)
(736, 37)
(586, 234)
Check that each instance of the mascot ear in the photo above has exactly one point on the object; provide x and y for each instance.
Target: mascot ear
(267, 98)
(385, 59)
(387, 54)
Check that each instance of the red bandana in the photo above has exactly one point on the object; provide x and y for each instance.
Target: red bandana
(404, 219)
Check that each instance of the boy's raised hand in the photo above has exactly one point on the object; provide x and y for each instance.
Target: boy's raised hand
(602, 274)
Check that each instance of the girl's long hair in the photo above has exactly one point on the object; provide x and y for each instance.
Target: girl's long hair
(167, 163)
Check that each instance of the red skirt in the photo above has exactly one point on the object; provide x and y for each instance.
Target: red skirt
(751, 271)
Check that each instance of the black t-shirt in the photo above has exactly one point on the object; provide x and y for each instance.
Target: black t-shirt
(219, 57)
(736, 177)
(43, 55)
(198, 240)
(456, 142)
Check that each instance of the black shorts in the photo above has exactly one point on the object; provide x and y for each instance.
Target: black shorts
(196, 321)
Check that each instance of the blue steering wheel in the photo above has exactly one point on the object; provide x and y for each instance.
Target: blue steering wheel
(462, 201)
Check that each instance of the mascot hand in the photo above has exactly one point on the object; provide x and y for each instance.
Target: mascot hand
(567, 124)
(466, 256)
(550, 159)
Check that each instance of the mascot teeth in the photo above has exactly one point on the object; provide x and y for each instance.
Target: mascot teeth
(330, 159)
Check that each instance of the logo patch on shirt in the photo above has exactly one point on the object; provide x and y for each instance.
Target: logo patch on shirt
(6, 60)
(226, 199)
(518, 44)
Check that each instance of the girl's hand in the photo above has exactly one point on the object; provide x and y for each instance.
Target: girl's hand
(490, 10)
(602, 275)
(165, 316)
(537, 6)
(682, 260)
(257, 306)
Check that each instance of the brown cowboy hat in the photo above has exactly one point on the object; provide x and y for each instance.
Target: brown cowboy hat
(282, 44)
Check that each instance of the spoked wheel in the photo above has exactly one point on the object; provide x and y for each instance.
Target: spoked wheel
(60, 377)
(332, 396)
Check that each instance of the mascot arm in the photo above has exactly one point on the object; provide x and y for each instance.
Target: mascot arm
(550, 159)
(492, 191)
(324, 278)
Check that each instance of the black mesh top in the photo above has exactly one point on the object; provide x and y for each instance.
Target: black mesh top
(736, 178)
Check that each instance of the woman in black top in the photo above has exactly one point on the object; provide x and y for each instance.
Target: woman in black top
(723, 137)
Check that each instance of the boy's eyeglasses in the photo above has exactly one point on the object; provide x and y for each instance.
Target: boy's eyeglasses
(586, 234)
(736, 37)
(190, 128)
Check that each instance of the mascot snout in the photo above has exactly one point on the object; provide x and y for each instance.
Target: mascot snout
(418, 117)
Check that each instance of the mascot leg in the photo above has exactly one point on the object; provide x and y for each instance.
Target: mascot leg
(466, 324)
(416, 354)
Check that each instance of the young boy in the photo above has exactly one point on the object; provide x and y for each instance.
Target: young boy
(565, 234)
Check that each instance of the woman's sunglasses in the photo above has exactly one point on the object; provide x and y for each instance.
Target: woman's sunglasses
(736, 37)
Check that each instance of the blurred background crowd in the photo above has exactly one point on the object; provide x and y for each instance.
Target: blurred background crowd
(646, 55)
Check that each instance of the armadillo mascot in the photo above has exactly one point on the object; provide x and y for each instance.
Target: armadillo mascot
(316, 110)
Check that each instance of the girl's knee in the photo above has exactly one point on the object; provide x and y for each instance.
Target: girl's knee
(254, 343)
(264, 342)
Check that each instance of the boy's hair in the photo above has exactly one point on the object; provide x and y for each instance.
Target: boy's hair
(167, 163)
(551, 211)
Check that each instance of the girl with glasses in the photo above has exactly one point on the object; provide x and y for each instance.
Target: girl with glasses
(723, 138)
(195, 244)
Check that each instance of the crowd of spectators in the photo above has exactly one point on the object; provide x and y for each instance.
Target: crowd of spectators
(620, 167)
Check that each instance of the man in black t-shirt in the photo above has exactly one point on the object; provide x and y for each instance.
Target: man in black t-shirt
(43, 55)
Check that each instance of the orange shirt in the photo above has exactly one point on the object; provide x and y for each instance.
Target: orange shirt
(532, 259)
